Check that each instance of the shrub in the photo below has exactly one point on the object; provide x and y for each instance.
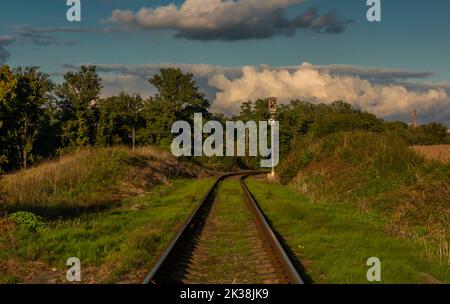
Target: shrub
(29, 221)
(430, 134)
(301, 155)
(337, 122)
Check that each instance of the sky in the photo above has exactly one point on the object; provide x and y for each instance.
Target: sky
(314, 50)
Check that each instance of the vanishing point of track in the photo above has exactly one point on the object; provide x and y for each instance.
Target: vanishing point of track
(227, 239)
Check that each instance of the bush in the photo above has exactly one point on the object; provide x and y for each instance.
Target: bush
(301, 155)
(337, 122)
(29, 221)
(430, 134)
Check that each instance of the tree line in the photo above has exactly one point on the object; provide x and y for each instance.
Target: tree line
(40, 119)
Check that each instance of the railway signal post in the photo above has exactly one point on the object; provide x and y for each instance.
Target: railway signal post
(272, 107)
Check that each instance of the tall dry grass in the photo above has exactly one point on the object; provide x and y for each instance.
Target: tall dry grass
(87, 179)
(436, 246)
(438, 152)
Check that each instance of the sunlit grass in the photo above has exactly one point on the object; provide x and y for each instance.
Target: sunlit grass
(117, 245)
(334, 241)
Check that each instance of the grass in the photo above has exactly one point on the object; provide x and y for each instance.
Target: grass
(87, 180)
(114, 208)
(334, 241)
(377, 172)
(117, 245)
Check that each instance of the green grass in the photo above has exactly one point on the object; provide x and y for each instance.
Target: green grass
(377, 172)
(117, 245)
(334, 241)
(91, 179)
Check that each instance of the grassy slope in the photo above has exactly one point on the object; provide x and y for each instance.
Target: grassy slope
(88, 180)
(115, 209)
(334, 241)
(377, 172)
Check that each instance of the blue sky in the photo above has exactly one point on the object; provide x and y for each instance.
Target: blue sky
(413, 36)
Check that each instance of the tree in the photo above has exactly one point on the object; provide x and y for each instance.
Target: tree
(24, 98)
(181, 91)
(431, 134)
(119, 118)
(159, 117)
(178, 98)
(78, 96)
(8, 86)
(8, 83)
(340, 106)
(255, 111)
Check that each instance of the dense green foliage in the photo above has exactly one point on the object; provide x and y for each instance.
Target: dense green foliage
(119, 118)
(26, 120)
(39, 119)
(29, 221)
(303, 123)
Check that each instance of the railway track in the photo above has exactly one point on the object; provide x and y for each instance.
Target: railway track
(226, 240)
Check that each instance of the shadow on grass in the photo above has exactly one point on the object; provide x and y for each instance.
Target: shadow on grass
(294, 259)
(307, 279)
(61, 212)
(176, 268)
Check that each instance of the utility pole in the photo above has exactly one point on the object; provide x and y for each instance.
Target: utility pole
(272, 105)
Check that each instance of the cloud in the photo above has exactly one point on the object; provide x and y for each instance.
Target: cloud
(317, 85)
(43, 36)
(44, 40)
(62, 29)
(40, 36)
(4, 41)
(230, 20)
(386, 92)
(114, 84)
(373, 73)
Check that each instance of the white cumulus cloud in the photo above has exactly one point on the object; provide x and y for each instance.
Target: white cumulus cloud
(387, 92)
(319, 85)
